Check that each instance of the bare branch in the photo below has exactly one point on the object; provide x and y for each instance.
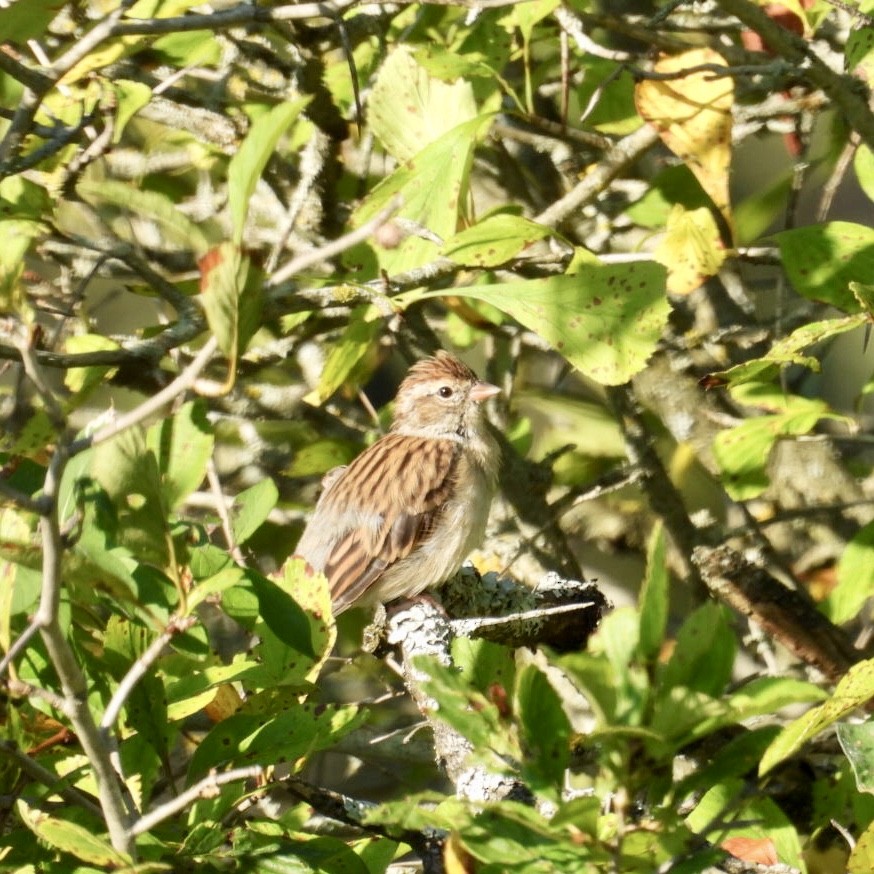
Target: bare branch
(624, 153)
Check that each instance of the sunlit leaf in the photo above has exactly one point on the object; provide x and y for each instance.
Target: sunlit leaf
(494, 240)
(692, 114)
(654, 596)
(853, 690)
(252, 507)
(606, 319)
(132, 97)
(691, 250)
(408, 108)
(347, 353)
(433, 188)
(822, 260)
(182, 444)
(857, 742)
(231, 310)
(861, 859)
(855, 577)
(788, 351)
(742, 452)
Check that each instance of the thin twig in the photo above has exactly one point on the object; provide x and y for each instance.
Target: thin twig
(335, 247)
(221, 507)
(139, 668)
(153, 404)
(244, 13)
(72, 681)
(623, 153)
(49, 779)
(20, 643)
(206, 788)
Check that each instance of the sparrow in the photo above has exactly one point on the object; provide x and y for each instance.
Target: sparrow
(405, 513)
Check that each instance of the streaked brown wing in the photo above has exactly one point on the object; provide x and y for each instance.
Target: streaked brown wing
(406, 481)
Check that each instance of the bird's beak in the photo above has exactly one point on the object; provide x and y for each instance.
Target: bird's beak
(482, 391)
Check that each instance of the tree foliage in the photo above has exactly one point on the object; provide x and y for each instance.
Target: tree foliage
(222, 223)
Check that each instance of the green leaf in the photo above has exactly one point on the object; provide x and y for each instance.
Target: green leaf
(606, 320)
(742, 452)
(654, 597)
(408, 108)
(82, 380)
(433, 187)
(863, 164)
(859, 52)
(857, 742)
(247, 738)
(232, 307)
(545, 730)
(347, 353)
(22, 198)
(469, 712)
(70, 837)
(788, 351)
(494, 240)
(861, 859)
(251, 158)
(146, 705)
(182, 445)
(703, 656)
(252, 507)
(178, 231)
(17, 236)
(486, 666)
(822, 260)
(855, 578)
(23, 21)
(131, 97)
(727, 810)
(128, 471)
(284, 616)
(853, 690)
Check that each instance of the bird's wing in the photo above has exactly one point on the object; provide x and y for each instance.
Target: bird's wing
(395, 490)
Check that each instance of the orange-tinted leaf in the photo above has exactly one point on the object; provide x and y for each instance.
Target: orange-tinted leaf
(692, 114)
(758, 851)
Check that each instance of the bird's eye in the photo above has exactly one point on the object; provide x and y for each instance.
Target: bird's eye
(444, 391)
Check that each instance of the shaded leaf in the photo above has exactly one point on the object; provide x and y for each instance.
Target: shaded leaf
(177, 230)
(252, 507)
(857, 742)
(182, 444)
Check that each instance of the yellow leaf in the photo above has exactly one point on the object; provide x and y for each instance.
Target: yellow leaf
(692, 114)
(692, 249)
